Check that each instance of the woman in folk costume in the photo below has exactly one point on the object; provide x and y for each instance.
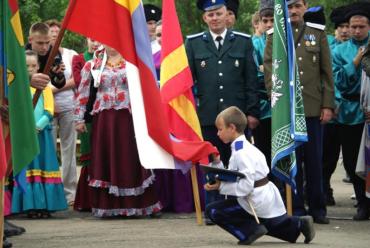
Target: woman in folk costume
(82, 199)
(44, 191)
(363, 161)
(120, 186)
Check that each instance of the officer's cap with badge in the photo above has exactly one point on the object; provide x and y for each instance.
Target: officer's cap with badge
(266, 8)
(233, 5)
(358, 8)
(289, 2)
(208, 5)
(315, 15)
(338, 16)
(152, 12)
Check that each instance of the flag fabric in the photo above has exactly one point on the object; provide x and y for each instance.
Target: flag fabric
(176, 81)
(16, 87)
(121, 24)
(288, 127)
(3, 163)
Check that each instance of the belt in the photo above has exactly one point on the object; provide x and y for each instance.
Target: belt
(261, 182)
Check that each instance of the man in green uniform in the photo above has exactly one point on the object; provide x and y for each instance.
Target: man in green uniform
(224, 73)
(315, 72)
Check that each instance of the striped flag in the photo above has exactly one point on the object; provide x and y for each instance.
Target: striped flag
(16, 87)
(121, 24)
(2, 153)
(288, 127)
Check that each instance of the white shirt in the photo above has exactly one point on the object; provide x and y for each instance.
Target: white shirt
(247, 159)
(155, 46)
(214, 36)
(64, 99)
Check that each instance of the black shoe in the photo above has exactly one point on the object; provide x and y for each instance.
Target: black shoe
(321, 220)
(6, 243)
(258, 233)
(12, 225)
(362, 214)
(11, 231)
(208, 221)
(307, 228)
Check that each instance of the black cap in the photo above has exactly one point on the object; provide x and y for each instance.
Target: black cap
(315, 15)
(233, 5)
(213, 173)
(207, 5)
(358, 8)
(266, 5)
(289, 2)
(338, 15)
(152, 12)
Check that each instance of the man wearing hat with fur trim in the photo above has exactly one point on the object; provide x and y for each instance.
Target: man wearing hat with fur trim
(338, 17)
(347, 74)
(232, 7)
(224, 73)
(153, 14)
(315, 72)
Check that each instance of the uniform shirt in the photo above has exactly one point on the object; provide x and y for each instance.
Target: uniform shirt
(222, 78)
(214, 36)
(247, 159)
(259, 44)
(314, 67)
(348, 81)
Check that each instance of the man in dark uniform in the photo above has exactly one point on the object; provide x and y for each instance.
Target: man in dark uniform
(315, 71)
(224, 73)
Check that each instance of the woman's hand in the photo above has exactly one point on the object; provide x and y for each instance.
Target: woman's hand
(81, 127)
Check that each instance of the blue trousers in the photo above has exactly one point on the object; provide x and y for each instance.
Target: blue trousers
(231, 217)
(309, 163)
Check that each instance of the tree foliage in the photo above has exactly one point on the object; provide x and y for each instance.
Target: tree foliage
(190, 17)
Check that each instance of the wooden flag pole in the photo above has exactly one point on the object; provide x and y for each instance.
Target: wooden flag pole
(194, 183)
(289, 204)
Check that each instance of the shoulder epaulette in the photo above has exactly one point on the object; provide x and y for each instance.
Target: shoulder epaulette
(238, 145)
(192, 36)
(315, 25)
(270, 31)
(241, 34)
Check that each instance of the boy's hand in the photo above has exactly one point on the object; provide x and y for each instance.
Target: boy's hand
(210, 187)
(81, 128)
(215, 158)
(40, 81)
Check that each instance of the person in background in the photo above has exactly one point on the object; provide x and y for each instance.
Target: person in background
(331, 133)
(256, 24)
(119, 185)
(347, 75)
(152, 15)
(232, 7)
(83, 199)
(63, 123)
(157, 55)
(43, 193)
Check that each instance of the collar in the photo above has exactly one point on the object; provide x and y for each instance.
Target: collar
(361, 42)
(214, 35)
(238, 143)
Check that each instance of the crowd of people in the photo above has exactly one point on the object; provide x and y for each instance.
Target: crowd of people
(86, 97)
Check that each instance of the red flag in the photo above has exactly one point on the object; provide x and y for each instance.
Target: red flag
(122, 25)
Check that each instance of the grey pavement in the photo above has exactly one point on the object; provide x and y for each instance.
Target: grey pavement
(73, 229)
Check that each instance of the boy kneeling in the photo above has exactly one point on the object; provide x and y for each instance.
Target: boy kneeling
(253, 191)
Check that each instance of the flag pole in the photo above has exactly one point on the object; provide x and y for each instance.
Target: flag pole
(289, 205)
(55, 48)
(194, 183)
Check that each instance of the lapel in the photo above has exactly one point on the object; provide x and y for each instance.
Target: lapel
(210, 44)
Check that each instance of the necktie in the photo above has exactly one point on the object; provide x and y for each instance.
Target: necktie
(219, 39)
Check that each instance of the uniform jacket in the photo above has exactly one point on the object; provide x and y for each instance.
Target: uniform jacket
(348, 81)
(225, 78)
(247, 159)
(314, 67)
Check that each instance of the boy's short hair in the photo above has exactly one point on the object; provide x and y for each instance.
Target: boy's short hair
(53, 22)
(266, 13)
(31, 53)
(233, 115)
(39, 27)
(255, 18)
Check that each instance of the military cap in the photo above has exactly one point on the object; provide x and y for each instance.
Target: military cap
(207, 5)
(315, 15)
(152, 12)
(213, 174)
(358, 8)
(233, 5)
(289, 2)
(338, 15)
(266, 5)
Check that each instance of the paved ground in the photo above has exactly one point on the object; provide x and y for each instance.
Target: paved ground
(72, 229)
